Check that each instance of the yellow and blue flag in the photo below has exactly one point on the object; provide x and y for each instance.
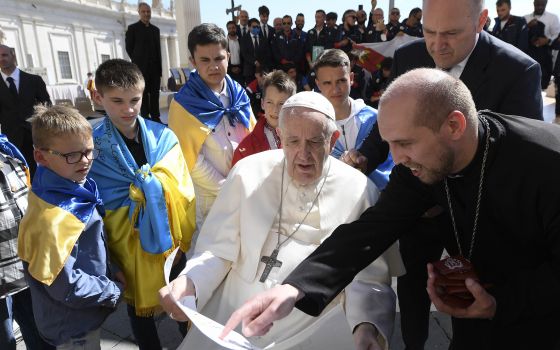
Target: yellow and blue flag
(57, 213)
(150, 207)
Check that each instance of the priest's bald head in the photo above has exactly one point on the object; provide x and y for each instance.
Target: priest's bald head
(308, 133)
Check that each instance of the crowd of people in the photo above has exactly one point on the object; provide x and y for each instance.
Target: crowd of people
(291, 177)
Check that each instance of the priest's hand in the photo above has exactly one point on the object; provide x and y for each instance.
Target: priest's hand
(258, 313)
(365, 337)
(484, 305)
(180, 287)
(355, 159)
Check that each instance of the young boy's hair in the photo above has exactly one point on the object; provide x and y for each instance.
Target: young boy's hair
(204, 34)
(118, 73)
(281, 81)
(332, 58)
(57, 121)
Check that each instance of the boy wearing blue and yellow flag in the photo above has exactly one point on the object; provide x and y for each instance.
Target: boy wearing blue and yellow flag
(61, 238)
(148, 193)
(211, 114)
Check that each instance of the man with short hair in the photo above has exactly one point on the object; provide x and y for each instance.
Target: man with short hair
(274, 209)
(144, 49)
(377, 31)
(412, 25)
(319, 38)
(235, 62)
(277, 24)
(504, 234)
(544, 28)
(348, 34)
(255, 51)
(266, 29)
(354, 119)
(287, 48)
(511, 29)
(19, 93)
(394, 27)
(243, 27)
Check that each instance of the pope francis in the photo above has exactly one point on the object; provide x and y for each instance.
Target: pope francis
(274, 209)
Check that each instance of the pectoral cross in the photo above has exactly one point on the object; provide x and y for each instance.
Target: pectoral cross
(270, 262)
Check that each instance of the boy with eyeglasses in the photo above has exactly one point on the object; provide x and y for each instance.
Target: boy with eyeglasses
(61, 236)
(147, 191)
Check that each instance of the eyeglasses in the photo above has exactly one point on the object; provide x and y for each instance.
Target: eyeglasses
(396, 13)
(287, 23)
(75, 157)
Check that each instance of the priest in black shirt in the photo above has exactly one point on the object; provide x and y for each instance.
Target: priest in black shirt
(495, 175)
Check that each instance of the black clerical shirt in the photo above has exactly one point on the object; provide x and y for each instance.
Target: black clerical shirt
(516, 249)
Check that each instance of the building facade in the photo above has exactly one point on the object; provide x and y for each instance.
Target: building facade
(63, 40)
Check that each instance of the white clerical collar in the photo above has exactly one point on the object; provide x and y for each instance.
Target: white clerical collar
(457, 69)
(15, 75)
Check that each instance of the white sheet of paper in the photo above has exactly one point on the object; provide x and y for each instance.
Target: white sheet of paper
(207, 326)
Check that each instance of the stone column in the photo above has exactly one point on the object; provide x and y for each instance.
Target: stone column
(187, 14)
(164, 60)
(173, 46)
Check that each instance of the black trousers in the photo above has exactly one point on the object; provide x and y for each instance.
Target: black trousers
(418, 248)
(150, 97)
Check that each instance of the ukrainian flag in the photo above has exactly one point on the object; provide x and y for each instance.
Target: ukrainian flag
(57, 213)
(150, 207)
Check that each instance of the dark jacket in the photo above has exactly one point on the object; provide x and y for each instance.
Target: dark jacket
(144, 48)
(14, 112)
(514, 32)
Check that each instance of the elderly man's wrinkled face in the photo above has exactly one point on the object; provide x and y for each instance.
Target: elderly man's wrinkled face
(305, 143)
(243, 17)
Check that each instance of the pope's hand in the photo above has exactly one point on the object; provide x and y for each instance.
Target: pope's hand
(181, 287)
(355, 159)
(365, 337)
(484, 305)
(258, 313)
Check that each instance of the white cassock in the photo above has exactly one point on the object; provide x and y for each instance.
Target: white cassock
(242, 227)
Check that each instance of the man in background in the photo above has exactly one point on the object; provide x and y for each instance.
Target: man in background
(144, 49)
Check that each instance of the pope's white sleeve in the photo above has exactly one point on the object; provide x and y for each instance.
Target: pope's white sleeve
(207, 272)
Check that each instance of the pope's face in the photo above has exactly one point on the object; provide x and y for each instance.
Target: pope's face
(305, 143)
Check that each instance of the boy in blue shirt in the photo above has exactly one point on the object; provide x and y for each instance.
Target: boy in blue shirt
(61, 237)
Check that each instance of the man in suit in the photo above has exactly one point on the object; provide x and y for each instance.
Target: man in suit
(235, 61)
(144, 49)
(19, 93)
(266, 29)
(500, 77)
(255, 51)
(243, 27)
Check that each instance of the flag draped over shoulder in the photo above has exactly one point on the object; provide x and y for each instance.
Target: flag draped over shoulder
(57, 213)
(196, 110)
(374, 53)
(150, 207)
